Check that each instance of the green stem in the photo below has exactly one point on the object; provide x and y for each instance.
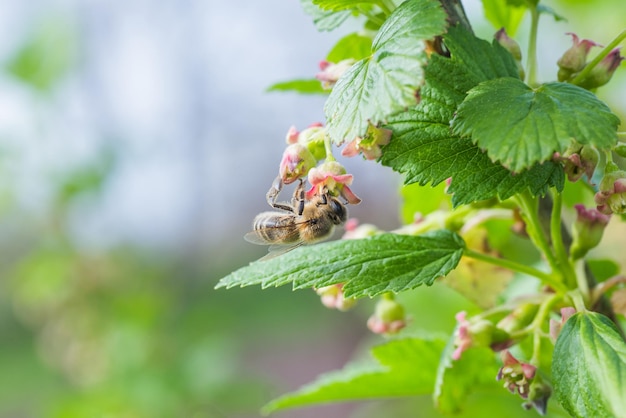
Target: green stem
(376, 19)
(605, 51)
(515, 266)
(578, 300)
(329, 149)
(386, 6)
(557, 240)
(534, 228)
(542, 315)
(531, 64)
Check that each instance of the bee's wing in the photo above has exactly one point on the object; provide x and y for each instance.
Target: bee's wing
(276, 249)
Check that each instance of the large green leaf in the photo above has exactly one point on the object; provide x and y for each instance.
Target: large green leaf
(403, 367)
(589, 367)
(386, 82)
(520, 126)
(366, 267)
(423, 146)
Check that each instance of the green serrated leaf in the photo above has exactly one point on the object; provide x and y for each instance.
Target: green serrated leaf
(366, 267)
(403, 367)
(456, 380)
(520, 126)
(386, 82)
(324, 20)
(589, 367)
(339, 5)
(299, 86)
(352, 46)
(502, 15)
(423, 146)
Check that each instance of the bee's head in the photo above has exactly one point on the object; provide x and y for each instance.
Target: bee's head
(338, 212)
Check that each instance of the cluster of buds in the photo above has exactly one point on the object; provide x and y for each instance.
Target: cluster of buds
(522, 378)
(389, 316)
(578, 160)
(513, 47)
(574, 61)
(611, 196)
(301, 158)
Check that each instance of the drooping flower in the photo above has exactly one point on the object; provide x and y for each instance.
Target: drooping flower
(330, 177)
(296, 163)
(388, 318)
(312, 137)
(332, 71)
(587, 230)
(602, 73)
(516, 375)
(575, 58)
(611, 197)
(369, 144)
(333, 297)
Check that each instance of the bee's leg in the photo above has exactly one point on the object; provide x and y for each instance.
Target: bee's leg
(299, 199)
(272, 195)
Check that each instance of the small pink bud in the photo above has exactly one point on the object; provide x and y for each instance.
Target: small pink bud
(477, 332)
(555, 326)
(587, 230)
(575, 58)
(292, 135)
(332, 72)
(389, 317)
(333, 298)
(579, 160)
(512, 46)
(296, 163)
(602, 73)
(369, 145)
(356, 231)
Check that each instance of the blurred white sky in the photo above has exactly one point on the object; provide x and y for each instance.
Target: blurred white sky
(179, 86)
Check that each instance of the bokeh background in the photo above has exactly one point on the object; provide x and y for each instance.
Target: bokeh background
(137, 141)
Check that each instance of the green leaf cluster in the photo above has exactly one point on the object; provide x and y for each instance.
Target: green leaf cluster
(426, 150)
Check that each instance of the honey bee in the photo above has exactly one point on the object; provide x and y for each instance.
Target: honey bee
(301, 222)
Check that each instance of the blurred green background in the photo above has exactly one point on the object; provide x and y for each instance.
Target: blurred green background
(127, 132)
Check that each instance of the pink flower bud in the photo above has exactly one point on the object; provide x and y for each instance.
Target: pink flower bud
(296, 163)
(579, 160)
(575, 58)
(513, 47)
(611, 197)
(331, 72)
(477, 332)
(389, 317)
(587, 230)
(369, 144)
(555, 326)
(292, 135)
(602, 73)
(332, 297)
(331, 178)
